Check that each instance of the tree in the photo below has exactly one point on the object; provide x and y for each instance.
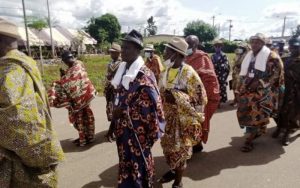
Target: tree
(151, 27)
(204, 31)
(297, 31)
(104, 28)
(37, 23)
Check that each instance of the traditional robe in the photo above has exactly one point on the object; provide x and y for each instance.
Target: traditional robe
(29, 148)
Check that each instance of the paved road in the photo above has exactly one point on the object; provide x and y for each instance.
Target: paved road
(221, 165)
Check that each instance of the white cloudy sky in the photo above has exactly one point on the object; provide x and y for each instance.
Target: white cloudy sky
(171, 16)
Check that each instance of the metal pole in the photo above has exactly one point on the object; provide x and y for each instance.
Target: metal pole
(213, 21)
(26, 29)
(283, 27)
(230, 26)
(50, 27)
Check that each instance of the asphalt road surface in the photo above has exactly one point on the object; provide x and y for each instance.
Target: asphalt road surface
(220, 165)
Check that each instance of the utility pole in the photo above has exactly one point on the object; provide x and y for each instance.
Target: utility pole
(50, 27)
(230, 26)
(213, 24)
(283, 27)
(26, 29)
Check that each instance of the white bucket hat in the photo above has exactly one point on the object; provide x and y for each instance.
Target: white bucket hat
(178, 44)
(9, 29)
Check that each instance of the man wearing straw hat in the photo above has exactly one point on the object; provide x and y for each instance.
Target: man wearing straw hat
(109, 91)
(184, 100)
(153, 61)
(222, 69)
(29, 149)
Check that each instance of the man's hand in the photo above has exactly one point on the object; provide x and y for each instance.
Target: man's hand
(169, 98)
(117, 113)
(62, 72)
(253, 86)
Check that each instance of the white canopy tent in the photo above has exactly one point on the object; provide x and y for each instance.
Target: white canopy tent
(61, 37)
(34, 40)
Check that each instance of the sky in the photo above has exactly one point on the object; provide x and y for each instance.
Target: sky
(171, 16)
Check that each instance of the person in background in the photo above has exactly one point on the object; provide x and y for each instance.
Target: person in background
(290, 110)
(75, 91)
(281, 44)
(29, 148)
(222, 69)
(109, 91)
(184, 100)
(202, 64)
(261, 79)
(138, 115)
(240, 54)
(153, 61)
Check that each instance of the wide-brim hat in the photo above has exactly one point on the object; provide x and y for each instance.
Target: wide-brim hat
(244, 45)
(115, 48)
(218, 41)
(135, 37)
(259, 36)
(9, 29)
(178, 44)
(149, 47)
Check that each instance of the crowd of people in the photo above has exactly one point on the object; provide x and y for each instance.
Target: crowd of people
(147, 100)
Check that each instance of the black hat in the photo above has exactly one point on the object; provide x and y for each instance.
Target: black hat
(135, 37)
(295, 41)
(66, 55)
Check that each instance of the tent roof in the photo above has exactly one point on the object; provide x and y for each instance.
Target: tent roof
(61, 36)
(33, 39)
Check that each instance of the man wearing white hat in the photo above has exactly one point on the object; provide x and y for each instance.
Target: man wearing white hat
(29, 149)
(112, 67)
(153, 61)
(184, 99)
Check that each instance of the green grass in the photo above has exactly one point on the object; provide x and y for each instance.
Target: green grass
(96, 68)
(95, 65)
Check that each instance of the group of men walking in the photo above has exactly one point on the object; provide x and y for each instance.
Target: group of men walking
(173, 100)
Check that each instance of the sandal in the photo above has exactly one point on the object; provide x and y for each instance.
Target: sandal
(177, 186)
(76, 141)
(167, 177)
(248, 146)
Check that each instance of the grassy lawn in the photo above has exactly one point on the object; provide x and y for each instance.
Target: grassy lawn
(96, 68)
(95, 65)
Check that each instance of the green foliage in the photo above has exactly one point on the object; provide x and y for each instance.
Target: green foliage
(151, 27)
(105, 28)
(228, 47)
(204, 31)
(37, 23)
(159, 48)
(96, 67)
(297, 31)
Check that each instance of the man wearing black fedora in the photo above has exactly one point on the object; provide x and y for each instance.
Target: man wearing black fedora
(138, 115)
